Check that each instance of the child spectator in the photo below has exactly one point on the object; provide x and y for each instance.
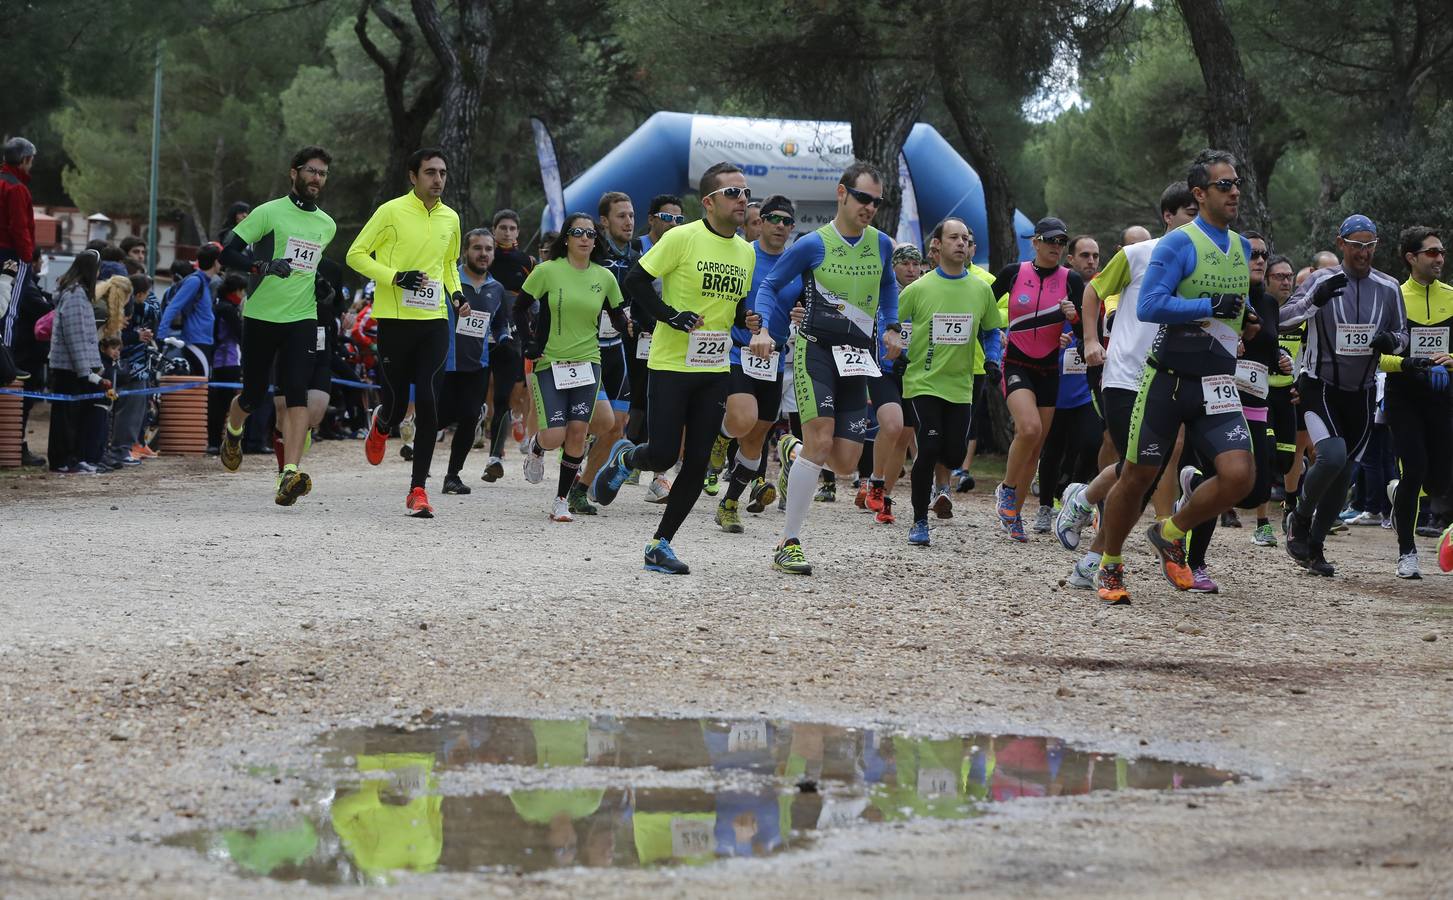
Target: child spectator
(226, 353)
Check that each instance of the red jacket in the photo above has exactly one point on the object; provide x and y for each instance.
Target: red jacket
(17, 215)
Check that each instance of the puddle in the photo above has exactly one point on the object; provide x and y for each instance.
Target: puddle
(464, 794)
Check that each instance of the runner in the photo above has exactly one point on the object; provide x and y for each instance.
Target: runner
(320, 381)
(281, 338)
(756, 384)
(473, 339)
(1195, 289)
(617, 228)
(1286, 424)
(572, 289)
(705, 272)
(953, 311)
(410, 246)
(1418, 408)
(891, 453)
(1037, 298)
(963, 478)
(665, 214)
(1355, 315)
(1262, 356)
(852, 297)
(511, 266)
(752, 225)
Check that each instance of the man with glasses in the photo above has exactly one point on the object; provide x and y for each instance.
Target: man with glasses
(1419, 411)
(281, 337)
(851, 304)
(964, 480)
(1281, 410)
(1195, 290)
(706, 273)
(1355, 320)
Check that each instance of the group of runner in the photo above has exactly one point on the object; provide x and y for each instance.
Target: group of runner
(684, 349)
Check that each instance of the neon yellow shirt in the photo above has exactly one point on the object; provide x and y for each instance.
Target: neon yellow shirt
(703, 272)
(404, 235)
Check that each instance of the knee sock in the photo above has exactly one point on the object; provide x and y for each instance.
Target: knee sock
(801, 485)
(569, 469)
(742, 474)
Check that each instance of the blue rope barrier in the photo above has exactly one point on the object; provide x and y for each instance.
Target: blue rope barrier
(163, 389)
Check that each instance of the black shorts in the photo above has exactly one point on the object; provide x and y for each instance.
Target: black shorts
(1330, 412)
(885, 390)
(615, 377)
(1165, 402)
(1094, 375)
(768, 393)
(1022, 376)
(821, 392)
(1282, 416)
(555, 406)
(322, 378)
(277, 352)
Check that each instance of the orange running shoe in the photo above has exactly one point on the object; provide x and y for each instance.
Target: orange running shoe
(1172, 558)
(1445, 550)
(418, 504)
(875, 498)
(861, 500)
(376, 444)
(885, 510)
(1110, 585)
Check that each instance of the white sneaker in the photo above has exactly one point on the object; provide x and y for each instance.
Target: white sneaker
(659, 491)
(1366, 518)
(1408, 566)
(1044, 520)
(407, 429)
(560, 512)
(481, 428)
(534, 462)
(1074, 515)
(1082, 578)
(1392, 490)
(1187, 477)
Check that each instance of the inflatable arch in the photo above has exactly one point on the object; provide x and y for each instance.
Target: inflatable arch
(800, 159)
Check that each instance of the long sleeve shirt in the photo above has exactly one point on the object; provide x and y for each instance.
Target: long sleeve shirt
(191, 309)
(1375, 301)
(404, 235)
(73, 339)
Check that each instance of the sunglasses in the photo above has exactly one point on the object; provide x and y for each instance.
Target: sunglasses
(674, 220)
(582, 232)
(1431, 252)
(1260, 254)
(863, 197)
(779, 219)
(1227, 184)
(732, 193)
(1280, 276)
(1360, 245)
(1057, 241)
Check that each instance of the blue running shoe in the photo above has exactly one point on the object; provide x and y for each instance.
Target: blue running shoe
(918, 534)
(661, 558)
(612, 475)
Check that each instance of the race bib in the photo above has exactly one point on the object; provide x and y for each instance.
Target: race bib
(692, 837)
(1354, 340)
(1218, 392)
(426, 297)
(707, 349)
(572, 374)
(757, 367)
(1074, 363)
(304, 255)
(473, 325)
(952, 328)
(747, 737)
(937, 782)
(1251, 378)
(854, 362)
(322, 339)
(643, 345)
(606, 331)
(907, 331)
(1428, 342)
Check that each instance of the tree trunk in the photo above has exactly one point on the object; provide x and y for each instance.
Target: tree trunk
(879, 128)
(1228, 98)
(407, 120)
(463, 55)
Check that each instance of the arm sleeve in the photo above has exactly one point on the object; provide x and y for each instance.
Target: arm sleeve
(186, 295)
(887, 287)
(1299, 306)
(993, 343)
(367, 241)
(777, 292)
(1004, 281)
(1174, 257)
(539, 327)
(451, 267)
(236, 255)
(640, 287)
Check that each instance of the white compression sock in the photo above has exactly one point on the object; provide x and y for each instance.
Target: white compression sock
(801, 485)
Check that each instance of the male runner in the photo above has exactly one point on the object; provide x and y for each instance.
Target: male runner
(473, 339)
(280, 332)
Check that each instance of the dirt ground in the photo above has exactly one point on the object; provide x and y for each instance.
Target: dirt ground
(163, 625)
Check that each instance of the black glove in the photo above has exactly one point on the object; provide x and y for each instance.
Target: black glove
(1226, 306)
(683, 321)
(1330, 288)
(1385, 342)
(410, 279)
(281, 267)
(992, 372)
(457, 299)
(1413, 365)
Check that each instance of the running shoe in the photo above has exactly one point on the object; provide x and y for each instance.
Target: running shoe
(560, 511)
(407, 429)
(1445, 550)
(661, 558)
(1004, 503)
(291, 485)
(1187, 478)
(494, 470)
(760, 495)
(141, 451)
(1034, 487)
(826, 492)
(1348, 514)
(1388, 523)
(918, 534)
(230, 453)
(1081, 576)
(612, 475)
(376, 444)
(1074, 514)
(1408, 566)
(634, 478)
(534, 462)
(1318, 564)
(1427, 526)
(659, 491)
(885, 514)
(1366, 519)
(1044, 520)
(1110, 584)
(481, 428)
(963, 481)
(728, 517)
(579, 503)
(718, 459)
(452, 485)
(1201, 582)
(943, 504)
(789, 558)
(1298, 530)
(1172, 558)
(1016, 530)
(875, 497)
(1229, 519)
(1264, 536)
(786, 452)
(1392, 490)
(860, 500)
(517, 427)
(417, 505)
(712, 484)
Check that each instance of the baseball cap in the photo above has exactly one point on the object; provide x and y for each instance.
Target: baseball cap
(1355, 223)
(1050, 227)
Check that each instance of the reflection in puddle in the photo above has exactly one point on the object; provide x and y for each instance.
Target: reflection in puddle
(765, 786)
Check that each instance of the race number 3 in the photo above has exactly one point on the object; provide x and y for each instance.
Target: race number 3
(1074, 363)
(643, 345)
(474, 325)
(572, 374)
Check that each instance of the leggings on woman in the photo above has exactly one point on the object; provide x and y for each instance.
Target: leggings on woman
(460, 404)
(691, 401)
(411, 352)
(943, 438)
(1263, 447)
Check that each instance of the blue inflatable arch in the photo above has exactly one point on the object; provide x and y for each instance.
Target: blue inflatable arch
(657, 159)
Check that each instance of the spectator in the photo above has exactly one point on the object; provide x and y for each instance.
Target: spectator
(96, 423)
(187, 321)
(134, 373)
(17, 234)
(226, 354)
(113, 261)
(135, 249)
(112, 297)
(238, 211)
(75, 362)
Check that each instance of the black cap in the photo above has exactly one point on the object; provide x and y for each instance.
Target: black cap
(1050, 227)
